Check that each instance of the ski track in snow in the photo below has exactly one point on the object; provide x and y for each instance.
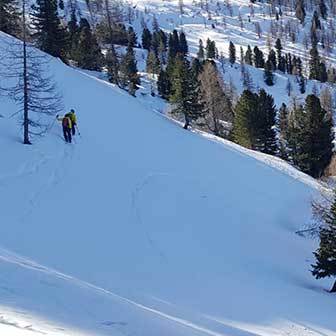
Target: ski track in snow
(12, 258)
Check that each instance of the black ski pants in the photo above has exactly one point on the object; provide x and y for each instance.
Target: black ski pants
(67, 134)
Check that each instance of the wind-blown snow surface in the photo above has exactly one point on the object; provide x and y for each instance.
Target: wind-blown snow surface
(142, 228)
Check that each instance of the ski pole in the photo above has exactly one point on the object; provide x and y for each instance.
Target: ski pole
(78, 130)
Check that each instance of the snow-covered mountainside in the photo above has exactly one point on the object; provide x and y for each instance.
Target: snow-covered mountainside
(142, 228)
(244, 23)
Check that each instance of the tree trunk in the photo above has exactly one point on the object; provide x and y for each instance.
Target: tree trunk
(333, 289)
(25, 81)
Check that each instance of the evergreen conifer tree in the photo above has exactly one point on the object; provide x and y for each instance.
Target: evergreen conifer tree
(326, 253)
(210, 49)
(112, 64)
(282, 128)
(258, 58)
(9, 17)
(248, 56)
(264, 124)
(232, 53)
(146, 39)
(49, 34)
(129, 72)
(88, 55)
(272, 59)
(245, 109)
(200, 53)
(310, 137)
(164, 85)
(183, 45)
(184, 95)
(268, 73)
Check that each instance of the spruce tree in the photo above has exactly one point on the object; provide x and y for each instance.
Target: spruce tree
(282, 128)
(129, 72)
(232, 53)
(132, 37)
(184, 95)
(210, 49)
(112, 64)
(278, 48)
(258, 58)
(146, 39)
(243, 132)
(49, 35)
(173, 45)
(272, 59)
(264, 124)
(88, 54)
(164, 85)
(268, 74)
(248, 55)
(183, 45)
(200, 53)
(9, 17)
(310, 137)
(325, 255)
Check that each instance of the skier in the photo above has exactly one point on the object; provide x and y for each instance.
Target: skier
(73, 117)
(67, 127)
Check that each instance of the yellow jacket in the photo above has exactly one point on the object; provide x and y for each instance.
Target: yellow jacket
(73, 117)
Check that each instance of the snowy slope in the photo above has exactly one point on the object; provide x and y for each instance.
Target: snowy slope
(224, 25)
(142, 228)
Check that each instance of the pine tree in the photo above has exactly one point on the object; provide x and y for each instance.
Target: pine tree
(132, 37)
(164, 85)
(317, 69)
(245, 109)
(232, 53)
(282, 128)
(258, 58)
(268, 74)
(184, 95)
(310, 137)
(146, 39)
(173, 45)
(264, 123)
(272, 59)
(156, 27)
(129, 72)
(9, 17)
(210, 49)
(326, 253)
(200, 53)
(183, 45)
(88, 54)
(73, 35)
(248, 55)
(49, 34)
(112, 64)
(278, 48)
